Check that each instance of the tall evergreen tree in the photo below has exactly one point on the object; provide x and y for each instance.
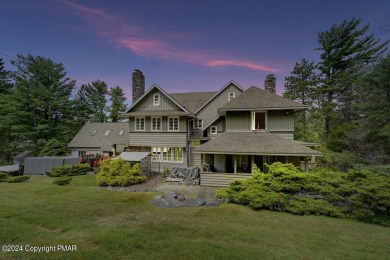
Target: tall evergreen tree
(345, 49)
(39, 108)
(5, 78)
(118, 106)
(93, 96)
(301, 87)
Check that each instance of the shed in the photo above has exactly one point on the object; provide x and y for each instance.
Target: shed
(40, 165)
(134, 156)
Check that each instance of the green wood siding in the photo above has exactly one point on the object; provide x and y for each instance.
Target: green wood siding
(164, 127)
(147, 103)
(238, 121)
(279, 121)
(210, 111)
(158, 139)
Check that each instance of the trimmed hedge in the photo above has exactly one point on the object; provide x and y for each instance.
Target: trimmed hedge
(69, 170)
(64, 180)
(117, 172)
(357, 194)
(13, 179)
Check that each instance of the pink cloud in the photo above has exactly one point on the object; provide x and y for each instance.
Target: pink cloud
(158, 46)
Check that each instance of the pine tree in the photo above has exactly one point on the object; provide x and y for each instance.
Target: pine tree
(118, 106)
(345, 49)
(5, 79)
(93, 96)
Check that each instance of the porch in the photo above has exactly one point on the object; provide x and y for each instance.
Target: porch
(212, 179)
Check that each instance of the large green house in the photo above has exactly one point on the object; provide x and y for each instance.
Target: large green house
(229, 130)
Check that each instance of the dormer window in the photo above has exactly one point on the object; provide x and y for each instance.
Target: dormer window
(93, 132)
(231, 96)
(198, 123)
(156, 99)
(121, 132)
(107, 132)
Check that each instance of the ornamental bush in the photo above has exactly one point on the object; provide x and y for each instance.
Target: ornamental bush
(64, 180)
(117, 172)
(13, 179)
(357, 194)
(68, 170)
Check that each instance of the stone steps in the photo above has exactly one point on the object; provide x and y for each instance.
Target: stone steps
(220, 179)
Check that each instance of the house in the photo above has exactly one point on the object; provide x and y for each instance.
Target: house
(231, 129)
(100, 138)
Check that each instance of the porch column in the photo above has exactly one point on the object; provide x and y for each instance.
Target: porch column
(252, 163)
(235, 164)
(306, 164)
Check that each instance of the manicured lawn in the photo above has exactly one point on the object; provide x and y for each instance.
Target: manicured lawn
(106, 224)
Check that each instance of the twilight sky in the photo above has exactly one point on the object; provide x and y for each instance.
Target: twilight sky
(180, 45)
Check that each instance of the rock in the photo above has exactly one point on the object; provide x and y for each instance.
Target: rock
(214, 203)
(172, 199)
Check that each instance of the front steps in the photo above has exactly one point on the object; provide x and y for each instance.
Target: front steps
(221, 179)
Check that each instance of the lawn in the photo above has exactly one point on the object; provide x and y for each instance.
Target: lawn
(107, 224)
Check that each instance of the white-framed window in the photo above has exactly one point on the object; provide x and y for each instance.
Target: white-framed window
(231, 96)
(198, 123)
(258, 120)
(167, 154)
(173, 124)
(140, 124)
(107, 132)
(156, 99)
(213, 130)
(156, 124)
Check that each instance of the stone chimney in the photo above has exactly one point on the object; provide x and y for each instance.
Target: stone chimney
(270, 83)
(138, 85)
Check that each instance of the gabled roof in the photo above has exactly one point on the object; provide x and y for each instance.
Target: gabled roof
(217, 93)
(93, 135)
(193, 100)
(255, 98)
(155, 86)
(261, 143)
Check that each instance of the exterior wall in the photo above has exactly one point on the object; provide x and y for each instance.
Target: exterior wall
(147, 102)
(210, 111)
(158, 139)
(220, 124)
(156, 166)
(195, 159)
(279, 121)
(286, 135)
(238, 121)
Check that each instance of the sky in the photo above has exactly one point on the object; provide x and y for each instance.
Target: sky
(182, 46)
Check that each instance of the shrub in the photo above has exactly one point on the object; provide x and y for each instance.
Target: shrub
(358, 194)
(65, 180)
(117, 172)
(12, 179)
(68, 170)
(3, 176)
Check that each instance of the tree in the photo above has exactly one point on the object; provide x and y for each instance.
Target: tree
(301, 86)
(39, 108)
(93, 96)
(118, 99)
(5, 79)
(345, 49)
(54, 148)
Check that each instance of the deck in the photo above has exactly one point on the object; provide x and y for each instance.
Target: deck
(214, 179)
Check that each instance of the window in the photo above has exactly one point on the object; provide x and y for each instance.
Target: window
(167, 154)
(198, 123)
(258, 120)
(93, 132)
(139, 124)
(242, 162)
(156, 99)
(156, 123)
(107, 132)
(173, 124)
(195, 142)
(231, 96)
(213, 130)
(121, 132)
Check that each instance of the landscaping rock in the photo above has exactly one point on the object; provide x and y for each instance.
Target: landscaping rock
(172, 199)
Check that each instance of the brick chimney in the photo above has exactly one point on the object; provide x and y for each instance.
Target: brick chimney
(270, 83)
(138, 85)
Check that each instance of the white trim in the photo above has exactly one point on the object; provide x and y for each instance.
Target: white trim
(197, 123)
(215, 130)
(158, 154)
(135, 124)
(107, 132)
(233, 94)
(151, 124)
(178, 124)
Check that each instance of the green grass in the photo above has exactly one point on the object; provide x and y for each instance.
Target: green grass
(106, 224)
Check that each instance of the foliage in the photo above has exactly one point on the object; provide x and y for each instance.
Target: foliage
(68, 170)
(54, 148)
(117, 172)
(13, 179)
(5, 79)
(64, 180)
(93, 96)
(165, 172)
(357, 194)
(338, 161)
(118, 106)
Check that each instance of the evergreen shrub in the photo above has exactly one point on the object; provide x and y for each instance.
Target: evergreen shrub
(117, 172)
(64, 180)
(68, 170)
(13, 179)
(357, 194)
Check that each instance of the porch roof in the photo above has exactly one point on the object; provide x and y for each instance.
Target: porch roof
(254, 143)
